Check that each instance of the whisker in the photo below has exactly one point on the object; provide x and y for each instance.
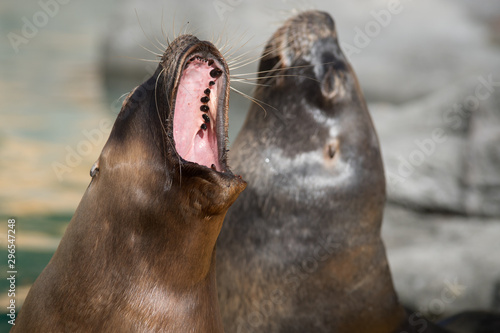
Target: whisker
(152, 52)
(278, 69)
(245, 62)
(255, 100)
(239, 64)
(264, 54)
(164, 46)
(237, 59)
(140, 59)
(156, 103)
(163, 125)
(231, 44)
(165, 37)
(145, 35)
(119, 100)
(173, 23)
(194, 32)
(283, 75)
(236, 49)
(125, 94)
(184, 32)
(251, 83)
(156, 39)
(217, 42)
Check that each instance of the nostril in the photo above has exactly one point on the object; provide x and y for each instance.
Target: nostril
(331, 151)
(329, 84)
(331, 75)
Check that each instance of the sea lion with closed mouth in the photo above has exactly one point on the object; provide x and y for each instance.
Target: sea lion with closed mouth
(300, 250)
(139, 253)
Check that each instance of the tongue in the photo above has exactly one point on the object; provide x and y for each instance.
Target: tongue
(195, 137)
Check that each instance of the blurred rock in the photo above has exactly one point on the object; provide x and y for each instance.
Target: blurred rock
(442, 152)
(402, 54)
(427, 46)
(422, 156)
(442, 264)
(482, 160)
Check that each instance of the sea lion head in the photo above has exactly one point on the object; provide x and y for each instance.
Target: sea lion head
(164, 168)
(316, 134)
(172, 131)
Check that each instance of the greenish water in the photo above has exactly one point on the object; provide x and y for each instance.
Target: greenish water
(50, 91)
(4, 325)
(29, 262)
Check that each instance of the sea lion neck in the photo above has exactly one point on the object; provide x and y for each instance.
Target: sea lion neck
(310, 87)
(304, 56)
(147, 168)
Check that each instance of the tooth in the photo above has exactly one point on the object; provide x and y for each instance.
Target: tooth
(215, 73)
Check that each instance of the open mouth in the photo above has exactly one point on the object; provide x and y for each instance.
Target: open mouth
(198, 112)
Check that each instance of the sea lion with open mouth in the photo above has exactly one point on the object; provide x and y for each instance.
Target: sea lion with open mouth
(139, 253)
(301, 249)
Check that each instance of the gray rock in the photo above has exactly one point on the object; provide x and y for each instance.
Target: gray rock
(442, 264)
(442, 152)
(399, 53)
(482, 159)
(427, 46)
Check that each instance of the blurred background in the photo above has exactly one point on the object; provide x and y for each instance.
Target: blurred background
(430, 71)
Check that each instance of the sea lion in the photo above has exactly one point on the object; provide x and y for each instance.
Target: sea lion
(139, 252)
(301, 250)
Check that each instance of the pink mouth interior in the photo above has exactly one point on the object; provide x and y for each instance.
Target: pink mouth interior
(192, 142)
